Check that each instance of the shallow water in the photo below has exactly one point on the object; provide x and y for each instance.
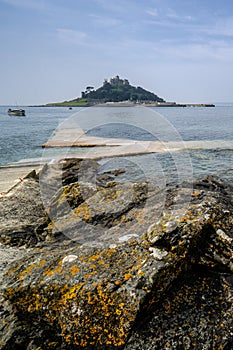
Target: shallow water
(21, 138)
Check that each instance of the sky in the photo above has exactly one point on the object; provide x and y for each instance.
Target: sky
(182, 50)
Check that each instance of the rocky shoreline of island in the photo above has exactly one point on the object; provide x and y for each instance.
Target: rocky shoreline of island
(126, 104)
(91, 262)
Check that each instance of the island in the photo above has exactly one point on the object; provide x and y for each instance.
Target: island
(113, 91)
(119, 92)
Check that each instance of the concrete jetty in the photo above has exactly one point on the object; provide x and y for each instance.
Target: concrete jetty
(69, 142)
(100, 147)
(12, 175)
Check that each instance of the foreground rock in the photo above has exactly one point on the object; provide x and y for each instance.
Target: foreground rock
(167, 284)
(22, 214)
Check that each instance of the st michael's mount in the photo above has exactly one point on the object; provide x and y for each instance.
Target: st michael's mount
(119, 92)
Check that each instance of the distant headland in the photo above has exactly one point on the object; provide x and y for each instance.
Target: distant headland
(119, 92)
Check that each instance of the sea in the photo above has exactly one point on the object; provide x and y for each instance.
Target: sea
(211, 128)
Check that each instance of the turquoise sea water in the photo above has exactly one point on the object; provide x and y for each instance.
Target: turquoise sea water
(21, 138)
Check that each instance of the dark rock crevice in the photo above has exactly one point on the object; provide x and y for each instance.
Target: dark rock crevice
(194, 314)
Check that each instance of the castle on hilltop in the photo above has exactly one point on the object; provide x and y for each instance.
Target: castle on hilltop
(116, 81)
(117, 90)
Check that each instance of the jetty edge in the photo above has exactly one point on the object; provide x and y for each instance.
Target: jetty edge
(118, 275)
(12, 174)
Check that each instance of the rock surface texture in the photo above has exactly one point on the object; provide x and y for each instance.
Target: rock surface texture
(117, 265)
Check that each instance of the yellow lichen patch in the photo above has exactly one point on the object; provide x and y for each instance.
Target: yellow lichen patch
(141, 273)
(42, 262)
(127, 276)
(85, 311)
(146, 289)
(36, 305)
(100, 262)
(118, 312)
(51, 225)
(89, 318)
(196, 193)
(70, 293)
(58, 269)
(11, 271)
(109, 252)
(73, 189)
(27, 271)
(117, 283)
(83, 212)
(118, 192)
(74, 270)
(88, 275)
(94, 257)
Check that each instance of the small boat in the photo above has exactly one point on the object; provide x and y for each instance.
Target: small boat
(16, 112)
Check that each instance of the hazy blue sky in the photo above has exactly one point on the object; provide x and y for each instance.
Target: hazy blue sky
(52, 49)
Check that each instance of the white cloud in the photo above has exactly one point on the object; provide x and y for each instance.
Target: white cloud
(172, 14)
(72, 36)
(189, 18)
(222, 27)
(153, 12)
(168, 51)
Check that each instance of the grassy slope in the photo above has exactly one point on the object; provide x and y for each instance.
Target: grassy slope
(73, 103)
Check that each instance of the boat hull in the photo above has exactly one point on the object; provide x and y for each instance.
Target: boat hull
(16, 112)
